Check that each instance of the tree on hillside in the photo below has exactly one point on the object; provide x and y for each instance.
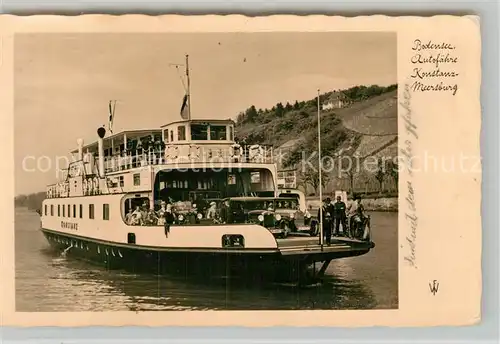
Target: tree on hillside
(380, 174)
(347, 167)
(251, 114)
(280, 110)
(393, 171)
(310, 176)
(296, 105)
(288, 107)
(240, 119)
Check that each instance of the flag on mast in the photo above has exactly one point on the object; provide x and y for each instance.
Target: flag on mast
(185, 107)
(111, 105)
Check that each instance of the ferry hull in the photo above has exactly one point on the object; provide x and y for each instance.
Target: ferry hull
(285, 264)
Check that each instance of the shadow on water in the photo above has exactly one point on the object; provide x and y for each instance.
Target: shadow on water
(176, 292)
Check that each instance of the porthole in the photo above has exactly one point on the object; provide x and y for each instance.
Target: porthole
(113, 252)
(120, 254)
(107, 253)
(98, 249)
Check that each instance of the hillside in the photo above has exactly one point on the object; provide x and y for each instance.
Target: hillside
(365, 126)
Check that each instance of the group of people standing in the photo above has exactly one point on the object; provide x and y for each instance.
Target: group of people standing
(339, 214)
(146, 216)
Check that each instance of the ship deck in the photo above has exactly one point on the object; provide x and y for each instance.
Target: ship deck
(310, 247)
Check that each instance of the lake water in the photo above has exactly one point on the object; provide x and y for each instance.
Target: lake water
(48, 282)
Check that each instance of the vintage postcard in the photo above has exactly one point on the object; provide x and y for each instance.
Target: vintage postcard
(245, 170)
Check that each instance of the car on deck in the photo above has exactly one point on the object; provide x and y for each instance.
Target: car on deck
(276, 214)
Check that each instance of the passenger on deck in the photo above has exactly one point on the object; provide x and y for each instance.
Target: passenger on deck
(161, 213)
(327, 210)
(339, 209)
(129, 217)
(137, 218)
(356, 214)
(169, 215)
(212, 211)
(225, 213)
(151, 218)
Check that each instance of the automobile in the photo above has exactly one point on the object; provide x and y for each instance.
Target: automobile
(302, 216)
(276, 214)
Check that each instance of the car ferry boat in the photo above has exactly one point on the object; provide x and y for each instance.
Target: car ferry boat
(154, 199)
(160, 200)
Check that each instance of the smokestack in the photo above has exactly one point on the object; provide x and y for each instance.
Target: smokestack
(80, 149)
(101, 132)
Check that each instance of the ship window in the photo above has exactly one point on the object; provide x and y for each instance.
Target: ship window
(231, 179)
(46, 210)
(105, 211)
(64, 210)
(58, 210)
(81, 211)
(231, 135)
(165, 135)
(199, 132)
(69, 210)
(255, 177)
(51, 210)
(181, 133)
(122, 182)
(218, 132)
(171, 136)
(91, 211)
(74, 210)
(137, 179)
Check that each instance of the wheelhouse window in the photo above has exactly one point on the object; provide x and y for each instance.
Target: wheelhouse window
(137, 179)
(69, 210)
(51, 210)
(181, 133)
(91, 211)
(64, 210)
(231, 134)
(122, 181)
(218, 132)
(171, 136)
(81, 211)
(105, 211)
(58, 210)
(46, 210)
(74, 210)
(199, 132)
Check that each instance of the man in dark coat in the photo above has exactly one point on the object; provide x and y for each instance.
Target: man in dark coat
(327, 220)
(339, 215)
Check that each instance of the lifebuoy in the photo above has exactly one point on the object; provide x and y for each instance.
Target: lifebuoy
(172, 152)
(194, 152)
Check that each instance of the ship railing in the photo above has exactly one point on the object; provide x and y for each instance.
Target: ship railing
(187, 153)
(58, 190)
(133, 160)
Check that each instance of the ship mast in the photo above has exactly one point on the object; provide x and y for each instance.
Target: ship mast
(188, 88)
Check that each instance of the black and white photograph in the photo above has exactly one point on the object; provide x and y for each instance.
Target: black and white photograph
(206, 171)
